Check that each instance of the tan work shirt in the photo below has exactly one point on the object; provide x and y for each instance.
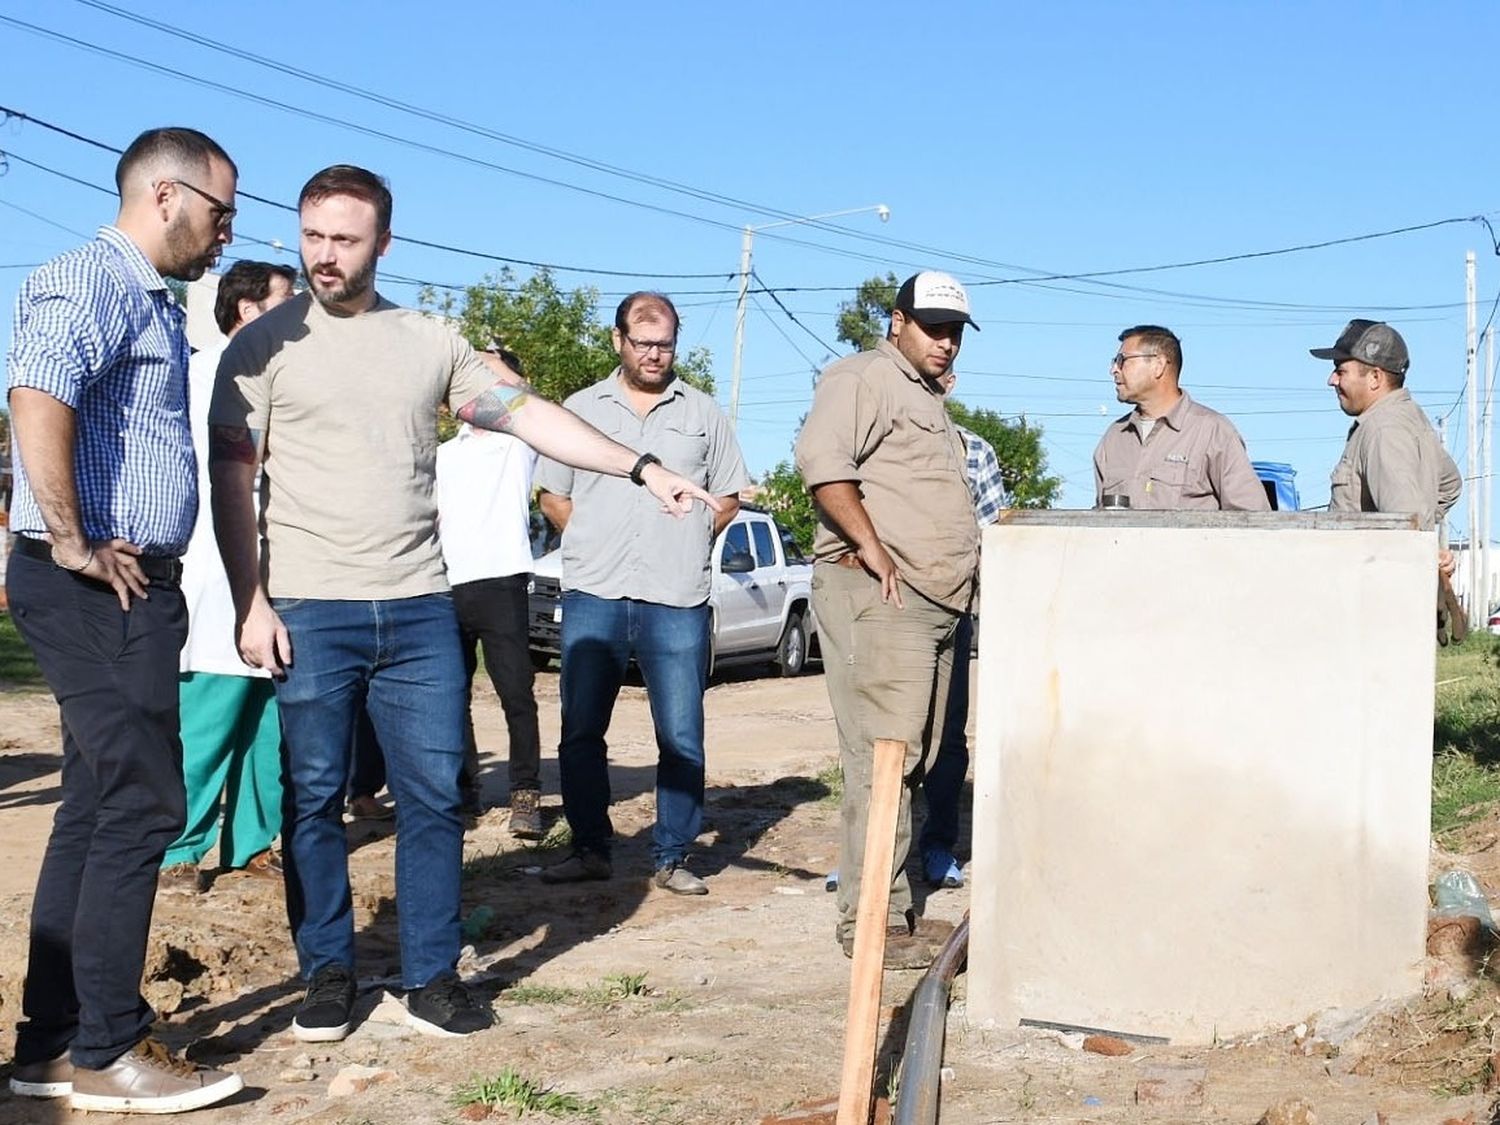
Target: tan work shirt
(1192, 459)
(1393, 462)
(876, 422)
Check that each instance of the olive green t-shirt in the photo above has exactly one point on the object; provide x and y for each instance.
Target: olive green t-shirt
(348, 406)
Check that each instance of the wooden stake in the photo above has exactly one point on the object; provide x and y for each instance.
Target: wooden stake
(862, 1025)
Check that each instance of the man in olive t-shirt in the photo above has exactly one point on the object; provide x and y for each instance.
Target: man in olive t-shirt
(348, 605)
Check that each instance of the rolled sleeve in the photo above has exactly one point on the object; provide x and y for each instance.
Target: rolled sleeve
(554, 477)
(726, 464)
(63, 343)
(835, 436)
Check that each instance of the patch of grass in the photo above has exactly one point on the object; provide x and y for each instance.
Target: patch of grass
(650, 1107)
(832, 781)
(1466, 733)
(490, 865)
(609, 991)
(558, 836)
(17, 666)
(510, 1090)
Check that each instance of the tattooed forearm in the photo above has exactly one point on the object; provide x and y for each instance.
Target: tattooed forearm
(233, 443)
(495, 409)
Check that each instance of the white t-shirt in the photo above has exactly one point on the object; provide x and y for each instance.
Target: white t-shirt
(483, 495)
(205, 587)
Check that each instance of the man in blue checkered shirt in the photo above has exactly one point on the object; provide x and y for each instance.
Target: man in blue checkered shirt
(105, 495)
(945, 780)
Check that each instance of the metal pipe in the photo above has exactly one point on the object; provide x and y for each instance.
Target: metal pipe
(926, 1028)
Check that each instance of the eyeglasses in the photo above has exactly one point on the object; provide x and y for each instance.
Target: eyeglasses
(646, 347)
(1122, 358)
(223, 213)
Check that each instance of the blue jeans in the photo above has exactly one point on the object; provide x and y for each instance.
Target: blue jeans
(400, 661)
(944, 782)
(670, 645)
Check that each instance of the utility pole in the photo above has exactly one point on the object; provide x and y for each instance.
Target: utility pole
(1486, 477)
(1471, 478)
(747, 242)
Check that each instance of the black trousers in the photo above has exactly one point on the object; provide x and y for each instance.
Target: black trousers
(492, 614)
(114, 675)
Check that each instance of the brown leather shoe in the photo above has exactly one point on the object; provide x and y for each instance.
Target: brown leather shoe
(180, 878)
(264, 865)
(903, 949)
(148, 1079)
(368, 808)
(526, 814)
(50, 1078)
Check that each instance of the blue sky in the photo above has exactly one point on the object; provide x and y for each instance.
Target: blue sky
(1060, 138)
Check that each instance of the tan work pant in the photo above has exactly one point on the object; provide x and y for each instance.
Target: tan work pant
(887, 671)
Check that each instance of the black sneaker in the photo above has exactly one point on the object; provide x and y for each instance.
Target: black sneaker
(328, 1010)
(443, 1007)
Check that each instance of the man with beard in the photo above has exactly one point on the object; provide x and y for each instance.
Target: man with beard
(337, 393)
(106, 494)
(636, 586)
(896, 551)
(1392, 461)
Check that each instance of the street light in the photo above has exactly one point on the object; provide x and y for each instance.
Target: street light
(739, 309)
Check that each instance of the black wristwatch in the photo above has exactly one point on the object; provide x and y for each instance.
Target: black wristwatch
(641, 462)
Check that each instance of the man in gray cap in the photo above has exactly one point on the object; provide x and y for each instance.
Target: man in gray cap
(1393, 461)
(896, 550)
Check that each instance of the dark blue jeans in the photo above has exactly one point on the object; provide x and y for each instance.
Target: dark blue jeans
(670, 645)
(944, 783)
(114, 675)
(400, 661)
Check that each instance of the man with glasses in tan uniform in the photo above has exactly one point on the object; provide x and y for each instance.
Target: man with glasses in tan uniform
(1170, 452)
(896, 551)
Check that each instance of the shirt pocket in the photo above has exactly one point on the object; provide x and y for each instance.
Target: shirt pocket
(1167, 484)
(683, 449)
(1343, 488)
(931, 446)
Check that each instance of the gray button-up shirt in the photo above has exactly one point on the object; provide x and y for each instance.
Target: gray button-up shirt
(618, 542)
(1393, 462)
(1192, 459)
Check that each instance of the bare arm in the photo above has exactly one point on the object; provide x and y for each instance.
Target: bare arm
(557, 509)
(46, 434)
(233, 456)
(729, 507)
(556, 432)
(840, 502)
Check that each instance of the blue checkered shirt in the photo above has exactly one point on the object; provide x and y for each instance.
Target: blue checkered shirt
(985, 482)
(98, 330)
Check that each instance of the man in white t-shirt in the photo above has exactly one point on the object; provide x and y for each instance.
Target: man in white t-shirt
(483, 495)
(231, 733)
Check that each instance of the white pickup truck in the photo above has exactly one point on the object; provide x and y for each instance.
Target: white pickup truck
(761, 596)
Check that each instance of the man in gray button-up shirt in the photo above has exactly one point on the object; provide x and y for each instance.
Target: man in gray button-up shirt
(636, 585)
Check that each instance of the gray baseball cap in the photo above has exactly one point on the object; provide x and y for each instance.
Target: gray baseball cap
(1369, 341)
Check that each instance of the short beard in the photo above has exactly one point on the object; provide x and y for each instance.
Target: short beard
(354, 286)
(186, 264)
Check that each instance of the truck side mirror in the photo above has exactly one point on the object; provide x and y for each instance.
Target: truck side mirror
(736, 562)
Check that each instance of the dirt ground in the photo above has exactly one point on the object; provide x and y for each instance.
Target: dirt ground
(650, 1008)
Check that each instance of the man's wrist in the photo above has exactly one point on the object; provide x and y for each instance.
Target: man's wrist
(640, 467)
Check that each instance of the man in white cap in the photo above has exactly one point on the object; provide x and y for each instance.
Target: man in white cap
(1393, 461)
(897, 547)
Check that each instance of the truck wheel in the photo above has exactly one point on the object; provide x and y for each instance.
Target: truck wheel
(791, 653)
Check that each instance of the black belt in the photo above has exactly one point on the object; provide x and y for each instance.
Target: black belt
(158, 568)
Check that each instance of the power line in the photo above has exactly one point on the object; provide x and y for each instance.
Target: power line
(789, 314)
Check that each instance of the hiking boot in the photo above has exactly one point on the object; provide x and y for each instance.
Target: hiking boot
(368, 808)
(265, 865)
(443, 1007)
(149, 1079)
(679, 880)
(580, 867)
(49, 1078)
(903, 949)
(526, 814)
(328, 1009)
(181, 879)
(941, 868)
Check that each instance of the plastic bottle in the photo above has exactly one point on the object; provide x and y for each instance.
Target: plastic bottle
(1457, 893)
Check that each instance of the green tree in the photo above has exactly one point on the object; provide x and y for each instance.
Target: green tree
(1018, 447)
(783, 494)
(862, 322)
(558, 334)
